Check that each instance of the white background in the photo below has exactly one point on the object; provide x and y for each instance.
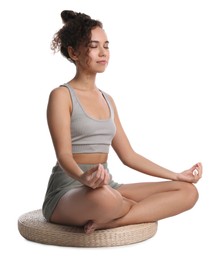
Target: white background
(163, 78)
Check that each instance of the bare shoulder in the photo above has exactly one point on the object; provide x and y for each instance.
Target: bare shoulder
(59, 92)
(60, 97)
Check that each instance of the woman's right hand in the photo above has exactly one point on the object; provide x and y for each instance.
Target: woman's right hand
(95, 177)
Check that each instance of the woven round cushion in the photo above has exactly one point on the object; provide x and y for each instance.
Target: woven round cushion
(34, 227)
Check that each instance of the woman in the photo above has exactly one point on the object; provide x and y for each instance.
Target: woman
(83, 122)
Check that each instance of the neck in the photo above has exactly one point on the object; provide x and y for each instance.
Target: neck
(84, 81)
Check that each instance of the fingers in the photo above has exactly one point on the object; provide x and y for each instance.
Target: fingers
(200, 169)
(193, 174)
(197, 171)
(92, 170)
(97, 177)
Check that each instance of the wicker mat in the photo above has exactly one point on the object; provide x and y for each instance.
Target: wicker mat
(34, 227)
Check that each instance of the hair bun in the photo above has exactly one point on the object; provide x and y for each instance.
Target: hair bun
(68, 15)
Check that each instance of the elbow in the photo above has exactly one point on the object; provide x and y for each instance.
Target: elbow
(62, 157)
(128, 158)
(125, 161)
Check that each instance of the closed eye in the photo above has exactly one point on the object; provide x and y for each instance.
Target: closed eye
(95, 44)
(106, 46)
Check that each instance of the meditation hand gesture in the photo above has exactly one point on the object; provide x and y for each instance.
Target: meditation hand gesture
(95, 177)
(191, 175)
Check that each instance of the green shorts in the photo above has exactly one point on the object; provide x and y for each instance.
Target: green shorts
(60, 183)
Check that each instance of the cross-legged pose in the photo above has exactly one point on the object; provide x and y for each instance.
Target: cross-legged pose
(84, 123)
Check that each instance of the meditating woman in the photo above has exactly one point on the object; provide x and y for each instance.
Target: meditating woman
(84, 123)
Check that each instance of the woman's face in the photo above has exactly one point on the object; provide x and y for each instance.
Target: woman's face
(95, 59)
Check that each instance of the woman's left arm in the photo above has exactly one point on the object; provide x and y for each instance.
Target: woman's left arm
(130, 158)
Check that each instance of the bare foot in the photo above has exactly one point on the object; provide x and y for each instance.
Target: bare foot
(90, 227)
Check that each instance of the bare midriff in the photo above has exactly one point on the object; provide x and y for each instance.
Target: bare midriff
(90, 158)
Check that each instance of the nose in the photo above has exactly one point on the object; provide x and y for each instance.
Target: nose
(102, 52)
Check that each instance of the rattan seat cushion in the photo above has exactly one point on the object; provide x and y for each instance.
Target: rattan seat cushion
(33, 226)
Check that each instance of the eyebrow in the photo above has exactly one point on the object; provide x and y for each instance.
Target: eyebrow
(98, 42)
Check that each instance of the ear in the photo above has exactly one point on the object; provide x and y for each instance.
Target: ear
(73, 54)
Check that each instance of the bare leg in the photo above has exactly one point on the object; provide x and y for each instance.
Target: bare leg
(91, 225)
(155, 201)
(85, 207)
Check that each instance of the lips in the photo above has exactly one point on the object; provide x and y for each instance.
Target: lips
(102, 62)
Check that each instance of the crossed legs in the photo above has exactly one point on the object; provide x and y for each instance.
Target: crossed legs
(129, 204)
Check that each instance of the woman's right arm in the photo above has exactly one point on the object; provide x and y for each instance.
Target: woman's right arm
(59, 119)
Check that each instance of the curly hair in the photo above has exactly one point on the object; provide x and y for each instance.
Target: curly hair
(76, 32)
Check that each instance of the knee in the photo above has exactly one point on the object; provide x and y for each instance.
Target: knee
(106, 200)
(191, 193)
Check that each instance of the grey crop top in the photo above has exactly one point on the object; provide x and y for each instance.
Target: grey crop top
(90, 135)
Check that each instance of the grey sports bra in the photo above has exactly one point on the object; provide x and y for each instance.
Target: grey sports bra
(90, 135)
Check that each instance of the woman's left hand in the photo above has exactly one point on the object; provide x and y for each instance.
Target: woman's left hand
(191, 175)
